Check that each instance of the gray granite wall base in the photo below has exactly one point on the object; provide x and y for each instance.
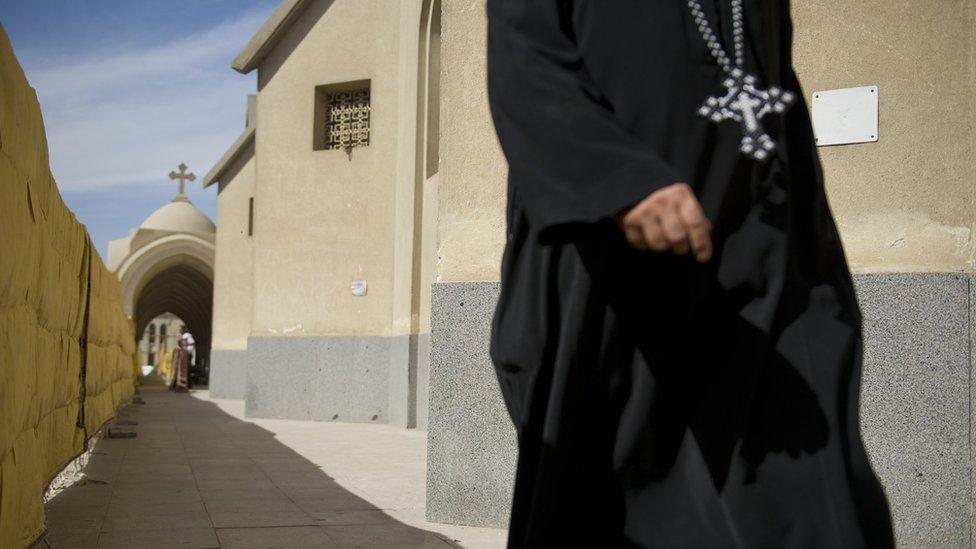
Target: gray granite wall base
(917, 397)
(423, 379)
(470, 440)
(228, 369)
(409, 372)
(324, 378)
(403, 381)
(915, 401)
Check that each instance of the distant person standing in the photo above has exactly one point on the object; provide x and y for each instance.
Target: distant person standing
(187, 346)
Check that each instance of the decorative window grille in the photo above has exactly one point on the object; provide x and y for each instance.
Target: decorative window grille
(347, 119)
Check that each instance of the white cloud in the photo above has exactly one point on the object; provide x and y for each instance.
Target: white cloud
(126, 119)
(167, 64)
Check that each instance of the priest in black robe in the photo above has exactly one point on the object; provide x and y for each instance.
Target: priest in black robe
(677, 338)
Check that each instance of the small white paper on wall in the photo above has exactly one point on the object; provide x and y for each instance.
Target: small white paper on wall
(358, 287)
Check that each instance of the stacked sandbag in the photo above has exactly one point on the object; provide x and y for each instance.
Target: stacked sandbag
(109, 379)
(46, 263)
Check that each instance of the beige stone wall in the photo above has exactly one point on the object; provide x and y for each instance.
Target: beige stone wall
(410, 124)
(426, 168)
(333, 216)
(233, 296)
(905, 203)
(471, 195)
(415, 208)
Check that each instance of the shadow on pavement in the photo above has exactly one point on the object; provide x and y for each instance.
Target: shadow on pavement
(198, 477)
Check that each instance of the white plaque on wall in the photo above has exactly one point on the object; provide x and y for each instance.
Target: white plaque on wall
(845, 116)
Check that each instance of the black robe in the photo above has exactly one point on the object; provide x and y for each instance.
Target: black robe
(660, 402)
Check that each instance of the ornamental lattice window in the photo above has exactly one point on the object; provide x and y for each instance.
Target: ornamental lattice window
(342, 116)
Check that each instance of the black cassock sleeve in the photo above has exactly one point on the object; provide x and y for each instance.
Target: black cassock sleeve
(571, 160)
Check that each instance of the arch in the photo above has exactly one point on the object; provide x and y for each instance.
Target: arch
(176, 249)
(183, 291)
(173, 274)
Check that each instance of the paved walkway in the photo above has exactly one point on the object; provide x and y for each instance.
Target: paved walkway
(200, 475)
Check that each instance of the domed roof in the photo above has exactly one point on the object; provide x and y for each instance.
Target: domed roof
(179, 216)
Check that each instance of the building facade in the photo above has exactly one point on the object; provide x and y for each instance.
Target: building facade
(233, 281)
(325, 209)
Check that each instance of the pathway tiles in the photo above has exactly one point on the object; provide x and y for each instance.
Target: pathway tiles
(200, 475)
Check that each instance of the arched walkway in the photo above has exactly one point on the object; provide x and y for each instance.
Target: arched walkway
(172, 274)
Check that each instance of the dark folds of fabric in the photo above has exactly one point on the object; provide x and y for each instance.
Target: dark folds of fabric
(660, 402)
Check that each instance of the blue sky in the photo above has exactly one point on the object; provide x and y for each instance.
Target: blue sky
(129, 89)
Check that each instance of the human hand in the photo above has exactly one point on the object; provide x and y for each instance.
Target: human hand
(669, 219)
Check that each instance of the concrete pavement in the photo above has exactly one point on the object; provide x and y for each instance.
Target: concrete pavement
(200, 475)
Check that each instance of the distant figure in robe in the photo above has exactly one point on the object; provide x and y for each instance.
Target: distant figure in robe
(677, 337)
(187, 345)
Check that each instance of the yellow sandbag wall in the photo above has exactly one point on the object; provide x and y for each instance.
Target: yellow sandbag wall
(47, 265)
(109, 378)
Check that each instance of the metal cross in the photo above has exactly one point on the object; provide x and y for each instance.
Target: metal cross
(747, 104)
(182, 176)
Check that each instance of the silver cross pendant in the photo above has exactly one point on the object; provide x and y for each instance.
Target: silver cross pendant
(746, 103)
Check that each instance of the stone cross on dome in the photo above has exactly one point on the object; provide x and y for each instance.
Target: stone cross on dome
(183, 176)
